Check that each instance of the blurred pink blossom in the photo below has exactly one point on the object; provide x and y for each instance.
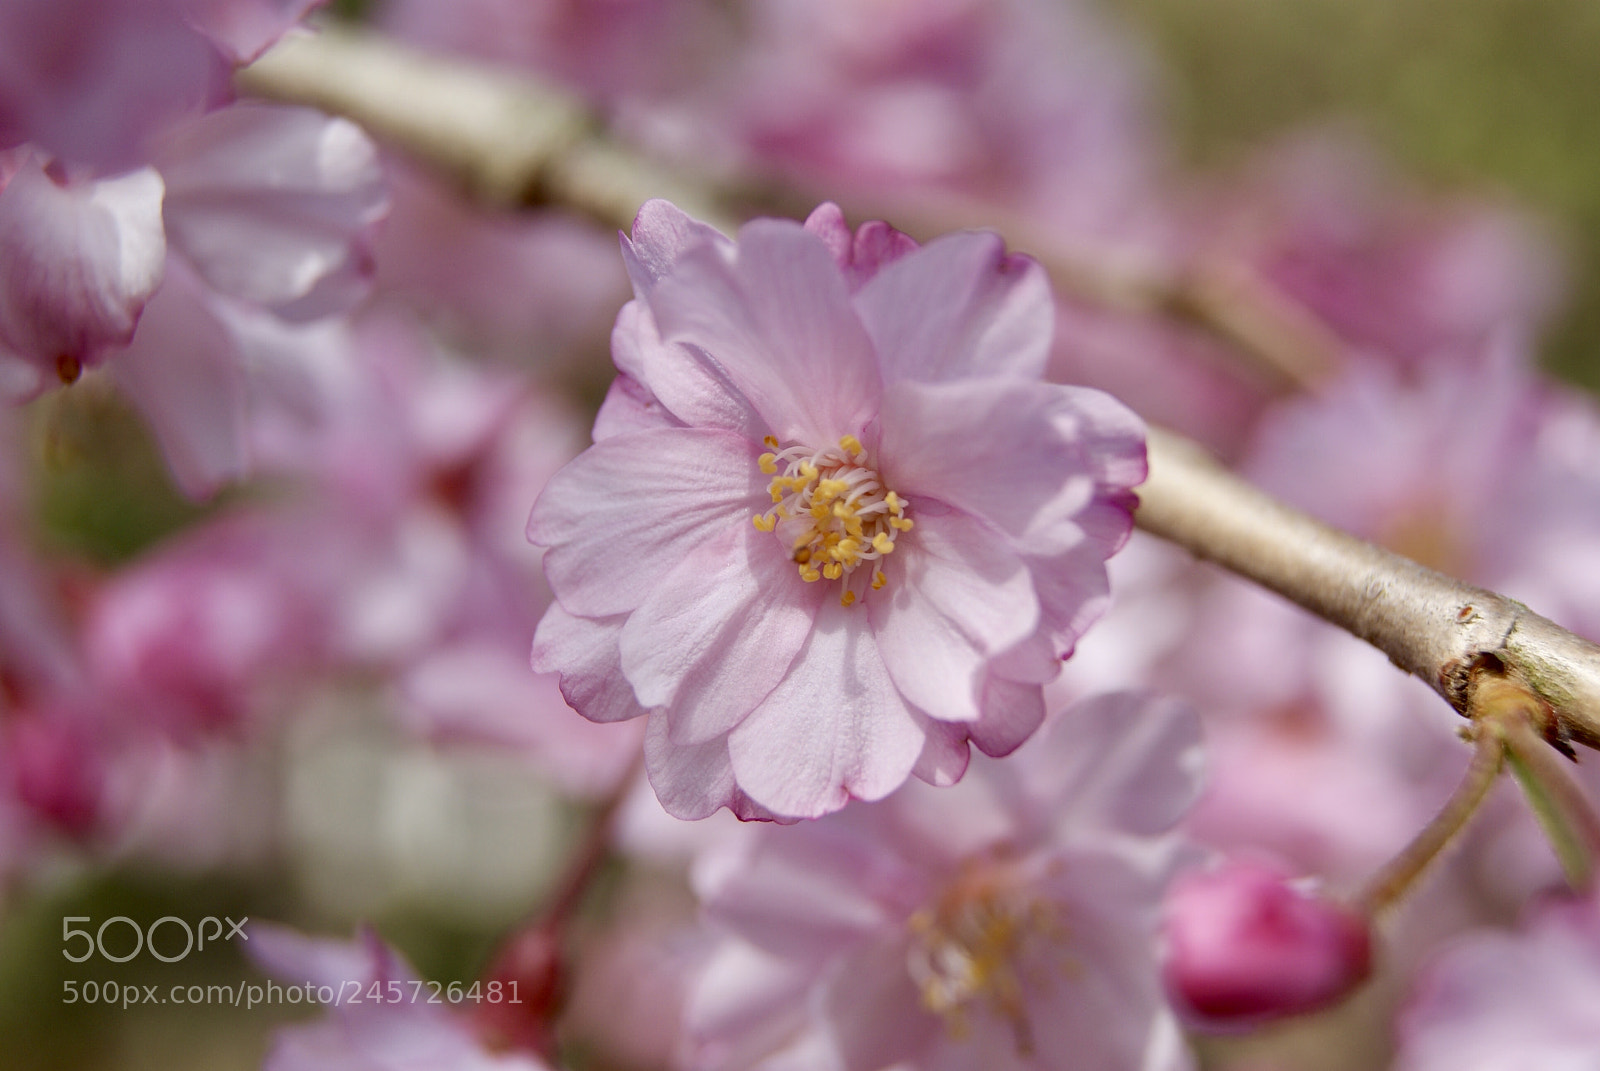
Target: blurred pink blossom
(1033, 106)
(94, 81)
(188, 638)
(611, 51)
(250, 211)
(1510, 1001)
(380, 1019)
(913, 451)
(1397, 275)
(1007, 922)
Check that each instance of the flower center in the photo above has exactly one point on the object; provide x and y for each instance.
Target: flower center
(968, 947)
(833, 512)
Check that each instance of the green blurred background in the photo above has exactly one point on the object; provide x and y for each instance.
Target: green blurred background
(1498, 96)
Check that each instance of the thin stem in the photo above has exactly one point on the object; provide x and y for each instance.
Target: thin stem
(590, 854)
(1563, 810)
(1400, 874)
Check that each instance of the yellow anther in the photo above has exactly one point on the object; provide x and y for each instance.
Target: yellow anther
(802, 555)
(819, 511)
(810, 574)
(833, 570)
(848, 546)
(776, 491)
(895, 503)
(771, 440)
(847, 599)
(903, 523)
(878, 580)
(764, 523)
(827, 490)
(851, 443)
(809, 471)
(882, 543)
(768, 463)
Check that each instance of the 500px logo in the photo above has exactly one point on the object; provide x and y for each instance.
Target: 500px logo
(146, 938)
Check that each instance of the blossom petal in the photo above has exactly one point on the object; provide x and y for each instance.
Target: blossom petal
(629, 406)
(275, 205)
(959, 307)
(95, 81)
(243, 29)
(1012, 711)
(835, 727)
(741, 988)
(1123, 761)
(874, 1011)
(585, 652)
(1104, 1015)
(718, 632)
(183, 372)
(1028, 457)
(860, 255)
(945, 754)
(961, 598)
(662, 232)
(626, 511)
(693, 780)
(777, 318)
(77, 262)
(808, 896)
(693, 389)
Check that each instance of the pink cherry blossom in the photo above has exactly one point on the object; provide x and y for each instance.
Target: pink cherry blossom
(1510, 1001)
(833, 528)
(1008, 922)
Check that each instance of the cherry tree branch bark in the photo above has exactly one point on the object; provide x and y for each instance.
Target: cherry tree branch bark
(509, 141)
(1438, 628)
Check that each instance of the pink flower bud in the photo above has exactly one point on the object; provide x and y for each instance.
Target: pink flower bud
(56, 772)
(530, 966)
(1245, 944)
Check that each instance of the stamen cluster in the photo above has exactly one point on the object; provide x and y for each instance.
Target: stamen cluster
(833, 511)
(966, 950)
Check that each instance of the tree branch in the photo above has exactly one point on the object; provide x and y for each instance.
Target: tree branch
(509, 141)
(1430, 625)
(505, 139)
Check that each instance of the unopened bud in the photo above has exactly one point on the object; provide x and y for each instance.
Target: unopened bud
(56, 772)
(528, 972)
(1245, 944)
